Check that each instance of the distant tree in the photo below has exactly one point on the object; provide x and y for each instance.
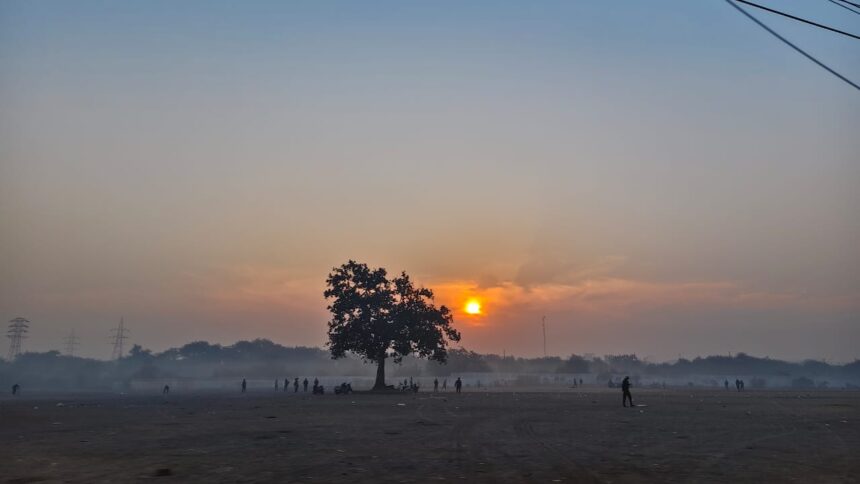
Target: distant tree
(377, 318)
(574, 364)
(138, 352)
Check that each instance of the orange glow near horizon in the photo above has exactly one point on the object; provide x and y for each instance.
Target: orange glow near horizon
(473, 306)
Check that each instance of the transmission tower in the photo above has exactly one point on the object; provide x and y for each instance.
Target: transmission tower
(18, 329)
(72, 342)
(120, 334)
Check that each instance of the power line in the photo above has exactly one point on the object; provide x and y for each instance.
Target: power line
(787, 42)
(850, 3)
(799, 19)
(846, 7)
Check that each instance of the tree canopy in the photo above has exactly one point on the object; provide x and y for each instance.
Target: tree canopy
(378, 318)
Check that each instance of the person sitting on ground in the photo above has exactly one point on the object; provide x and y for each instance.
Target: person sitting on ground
(343, 389)
(625, 392)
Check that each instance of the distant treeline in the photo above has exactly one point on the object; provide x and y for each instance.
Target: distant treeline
(262, 358)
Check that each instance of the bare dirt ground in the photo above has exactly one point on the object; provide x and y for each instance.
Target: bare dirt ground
(565, 436)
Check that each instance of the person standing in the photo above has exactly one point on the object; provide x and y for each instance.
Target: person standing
(305, 385)
(625, 392)
(296, 385)
(244, 385)
(435, 385)
(458, 385)
(15, 389)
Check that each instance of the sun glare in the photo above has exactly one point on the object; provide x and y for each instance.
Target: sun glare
(473, 307)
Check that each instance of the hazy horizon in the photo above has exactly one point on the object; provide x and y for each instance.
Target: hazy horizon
(661, 179)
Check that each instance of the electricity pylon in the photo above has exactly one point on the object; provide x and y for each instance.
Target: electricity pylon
(72, 342)
(119, 336)
(18, 329)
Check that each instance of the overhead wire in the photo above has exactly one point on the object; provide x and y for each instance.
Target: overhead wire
(790, 44)
(846, 7)
(799, 19)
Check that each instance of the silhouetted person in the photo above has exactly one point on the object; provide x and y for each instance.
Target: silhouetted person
(286, 384)
(727, 383)
(738, 384)
(435, 385)
(276, 385)
(316, 382)
(742, 385)
(625, 392)
(458, 385)
(296, 385)
(15, 388)
(244, 385)
(580, 382)
(165, 390)
(444, 384)
(305, 385)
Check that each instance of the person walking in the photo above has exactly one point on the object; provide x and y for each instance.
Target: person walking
(625, 392)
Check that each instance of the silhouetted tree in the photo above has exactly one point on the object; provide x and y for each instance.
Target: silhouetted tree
(377, 318)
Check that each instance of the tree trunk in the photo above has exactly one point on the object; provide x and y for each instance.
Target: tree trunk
(380, 375)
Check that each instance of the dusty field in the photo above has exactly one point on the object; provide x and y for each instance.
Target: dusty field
(569, 436)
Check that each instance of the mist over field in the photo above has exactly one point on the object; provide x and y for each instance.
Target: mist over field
(201, 366)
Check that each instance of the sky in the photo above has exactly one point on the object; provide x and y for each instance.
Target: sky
(661, 178)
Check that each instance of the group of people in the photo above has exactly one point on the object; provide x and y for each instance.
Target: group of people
(739, 384)
(408, 386)
(458, 385)
(316, 389)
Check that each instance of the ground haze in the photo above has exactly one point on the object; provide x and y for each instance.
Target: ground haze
(572, 435)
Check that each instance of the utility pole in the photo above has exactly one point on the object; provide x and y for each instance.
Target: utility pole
(543, 323)
(17, 332)
(72, 342)
(120, 334)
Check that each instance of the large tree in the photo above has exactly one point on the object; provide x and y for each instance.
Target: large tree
(378, 318)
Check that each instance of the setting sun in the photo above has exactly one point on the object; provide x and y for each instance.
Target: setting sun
(473, 307)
